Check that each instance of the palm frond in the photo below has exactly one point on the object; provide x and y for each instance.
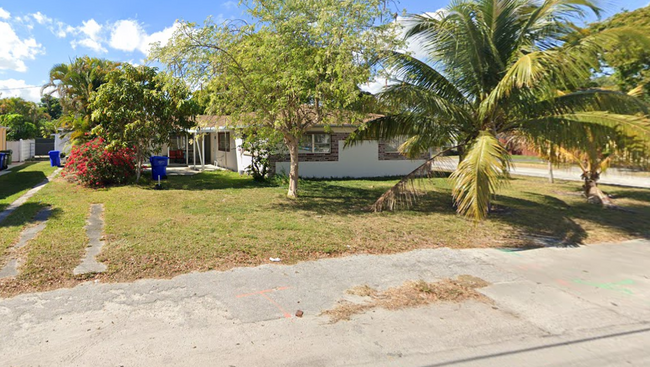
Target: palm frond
(407, 69)
(479, 175)
(407, 191)
(637, 126)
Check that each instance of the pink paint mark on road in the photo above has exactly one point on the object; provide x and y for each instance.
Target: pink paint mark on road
(263, 294)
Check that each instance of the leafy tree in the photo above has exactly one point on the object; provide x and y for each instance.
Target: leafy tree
(75, 82)
(297, 66)
(23, 118)
(261, 144)
(51, 106)
(499, 67)
(626, 66)
(18, 127)
(139, 108)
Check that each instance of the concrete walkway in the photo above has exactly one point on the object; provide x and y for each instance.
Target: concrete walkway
(586, 306)
(23, 199)
(11, 268)
(94, 230)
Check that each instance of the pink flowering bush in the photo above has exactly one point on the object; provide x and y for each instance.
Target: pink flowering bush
(92, 165)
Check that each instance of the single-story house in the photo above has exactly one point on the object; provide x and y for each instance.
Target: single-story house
(322, 153)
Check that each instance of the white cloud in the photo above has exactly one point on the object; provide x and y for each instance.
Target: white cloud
(62, 30)
(41, 18)
(162, 37)
(129, 35)
(90, 28)
(4, 14)
(90, 43)
(91, 37)
(18, 88)
(230, 4)
(126, 35)
(14, 50)
(414, 46)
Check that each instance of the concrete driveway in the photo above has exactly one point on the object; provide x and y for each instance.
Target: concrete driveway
(586, 306)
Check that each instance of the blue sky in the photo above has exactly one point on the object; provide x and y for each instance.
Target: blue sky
(35, 35)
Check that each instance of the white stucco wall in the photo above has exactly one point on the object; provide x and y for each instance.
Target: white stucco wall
(244, 160)
(227, 160)
(62, 143)
(361, 160)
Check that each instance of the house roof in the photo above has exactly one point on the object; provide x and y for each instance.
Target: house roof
(215, 122)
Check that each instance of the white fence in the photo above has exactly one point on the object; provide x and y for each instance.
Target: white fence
(22, 150)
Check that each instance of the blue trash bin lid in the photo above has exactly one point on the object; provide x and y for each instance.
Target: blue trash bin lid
(158, 161)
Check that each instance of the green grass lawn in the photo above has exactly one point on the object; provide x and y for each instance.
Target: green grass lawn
(12, 186)
(219, 220)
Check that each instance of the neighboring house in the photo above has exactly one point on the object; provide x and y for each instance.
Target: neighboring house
(322, 153)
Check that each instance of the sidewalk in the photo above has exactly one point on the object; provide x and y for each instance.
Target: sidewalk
(612, 176)
(586, 306)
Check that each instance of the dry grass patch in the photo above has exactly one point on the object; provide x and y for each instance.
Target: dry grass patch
(411, 294)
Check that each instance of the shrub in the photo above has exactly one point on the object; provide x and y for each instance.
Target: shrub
(93, 165)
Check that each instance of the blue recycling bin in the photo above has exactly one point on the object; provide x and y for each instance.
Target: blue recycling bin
(158, 167)
(3, 161)
(55, 158)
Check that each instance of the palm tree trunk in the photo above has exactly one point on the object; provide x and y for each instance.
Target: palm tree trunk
(592, 192)
(461, 153)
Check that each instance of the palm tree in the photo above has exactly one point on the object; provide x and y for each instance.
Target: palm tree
(495, 67)
(75, 82)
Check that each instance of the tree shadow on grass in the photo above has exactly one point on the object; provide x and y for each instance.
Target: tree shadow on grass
(544, 221)
(634, 194)
(553, 218)
(215, 180)
(17, 181)
(338, 198)
(26, 214)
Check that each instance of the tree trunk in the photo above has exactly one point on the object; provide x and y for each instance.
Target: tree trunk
(138, 164)
(461, 153)
(551, 179)
(292, 144)
(592, 192)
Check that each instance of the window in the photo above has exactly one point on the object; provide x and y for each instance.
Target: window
(315, 143)
(392, 145)
(224, 141)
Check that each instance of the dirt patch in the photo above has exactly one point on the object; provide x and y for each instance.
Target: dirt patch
(411, 294)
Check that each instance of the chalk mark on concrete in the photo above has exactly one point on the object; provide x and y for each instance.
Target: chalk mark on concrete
(263, 294)
(615, 286)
